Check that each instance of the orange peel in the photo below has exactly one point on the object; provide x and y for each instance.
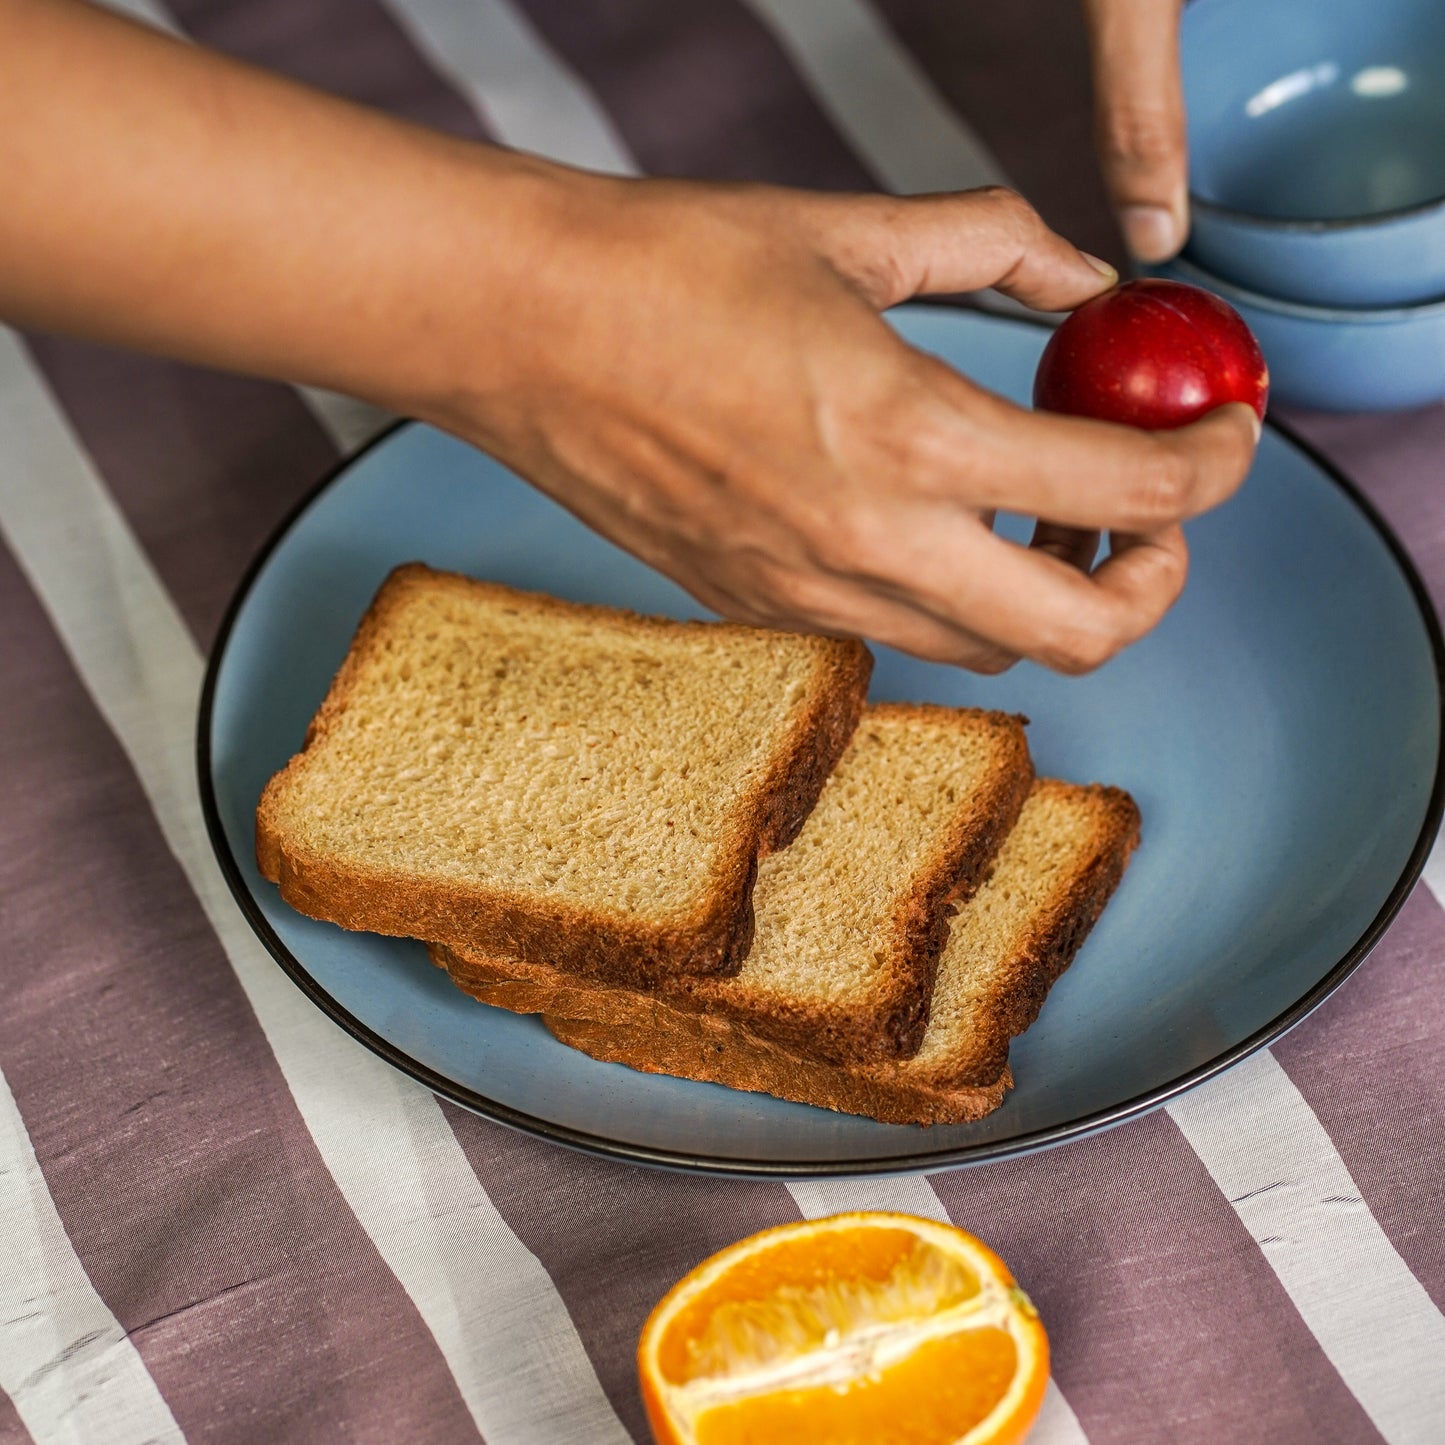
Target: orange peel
(848, 1330)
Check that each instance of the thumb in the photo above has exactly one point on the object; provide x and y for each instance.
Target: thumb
(1139, 102)
(893, 248)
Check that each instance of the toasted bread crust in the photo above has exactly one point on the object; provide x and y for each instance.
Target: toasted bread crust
(718, 1053)
(888, 1022)
(1056, 937)
(645, 1032)
(714, 939)
(819, 740)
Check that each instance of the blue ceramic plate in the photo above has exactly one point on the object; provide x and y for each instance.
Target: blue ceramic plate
(1281, 732)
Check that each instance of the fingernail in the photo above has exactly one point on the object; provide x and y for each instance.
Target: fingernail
(1102, 267)
(1249, 411)
(1150, 232)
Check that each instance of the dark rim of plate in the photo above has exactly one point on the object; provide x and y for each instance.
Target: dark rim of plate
(914, 1160)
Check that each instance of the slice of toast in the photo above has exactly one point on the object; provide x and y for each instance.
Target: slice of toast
(852, 918)
(1052, 879)
(715, 1052)
(557, 782)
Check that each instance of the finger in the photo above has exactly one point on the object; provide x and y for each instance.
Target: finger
(987, 453)
(853, 608)
(1139, 110)
(950, 578)
(896, 247)
(1045, 609)
(1075, 624)
(1075, 545)
(765, 592)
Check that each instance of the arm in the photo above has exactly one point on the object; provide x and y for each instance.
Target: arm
(699, 372)
(163, 197)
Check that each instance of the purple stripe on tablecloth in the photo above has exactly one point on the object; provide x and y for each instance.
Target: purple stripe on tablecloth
(12, 1430)
(203, 464)
(185, 1178)
(614, 1238)
(1396, 459)
(1165, 1320)
(1019, 75)
(353, 48)
(1368, 1062)
(700, 90)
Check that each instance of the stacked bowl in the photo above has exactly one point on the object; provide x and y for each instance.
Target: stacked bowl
(1317, 164)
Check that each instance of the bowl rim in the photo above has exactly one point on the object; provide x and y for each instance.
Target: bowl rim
(1299, 310)
(1201, 206)
(1307, 225)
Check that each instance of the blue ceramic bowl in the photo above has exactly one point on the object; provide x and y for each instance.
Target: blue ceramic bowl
(1317, 147)
(1338, 360)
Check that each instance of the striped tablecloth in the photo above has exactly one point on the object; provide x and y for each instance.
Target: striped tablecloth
(221, 1220)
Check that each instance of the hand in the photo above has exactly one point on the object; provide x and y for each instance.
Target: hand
(1139, 105)
(700, 373)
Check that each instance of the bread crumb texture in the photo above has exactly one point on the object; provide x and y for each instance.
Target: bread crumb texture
(826, 908)
(1052, 878)
(546, 750)
(851, 918)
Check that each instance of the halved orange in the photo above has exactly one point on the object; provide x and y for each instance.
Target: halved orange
(852, 1330)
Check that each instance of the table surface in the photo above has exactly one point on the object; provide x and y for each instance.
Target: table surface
(221, 1220)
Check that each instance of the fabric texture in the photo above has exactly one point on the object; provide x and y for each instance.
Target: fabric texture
(222, 1221)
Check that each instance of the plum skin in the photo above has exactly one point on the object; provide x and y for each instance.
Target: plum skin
(1154, 354)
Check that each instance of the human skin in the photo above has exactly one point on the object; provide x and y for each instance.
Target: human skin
(698, 371)
(1139, 109)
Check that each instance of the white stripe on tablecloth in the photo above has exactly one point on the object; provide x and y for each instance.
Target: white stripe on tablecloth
(913, 1194)
(348, 422)
(907, 1194)
(528, 95)
(492, 1307)
(882, 103)
(1435, 870)
(66, 1363)
(148, 12)
(1274, 1162)
(1056, 1423)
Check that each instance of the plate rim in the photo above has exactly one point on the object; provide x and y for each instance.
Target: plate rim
(913, 1161)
